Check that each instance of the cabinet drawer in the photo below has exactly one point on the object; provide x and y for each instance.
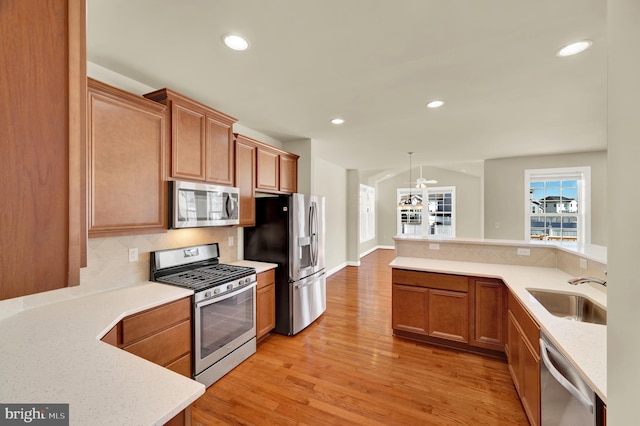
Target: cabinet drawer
(266, 278)
(181, 365)
(163, 347)
(431, 280)
(138, 326)
(528, 325)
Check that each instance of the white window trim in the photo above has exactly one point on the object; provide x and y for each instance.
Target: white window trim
(425, 197)
(369, 193)
(452, 190)
(583, 174)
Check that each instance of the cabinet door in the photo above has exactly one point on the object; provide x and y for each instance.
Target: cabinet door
(288, 173)
(245, 180)
(42, 103)
(530, 386)
(220, 158)
(410, 309)
(164, 347)
(265, 303)
(267, 170)
(126, 147)
(265, 310)
(524, 361)
(188, 144)
(490, 305)
(514, 343)
(449, 315)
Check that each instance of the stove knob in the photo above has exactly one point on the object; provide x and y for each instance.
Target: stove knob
(229, 286)
(216, 291)
(246, 280)
(207, 294)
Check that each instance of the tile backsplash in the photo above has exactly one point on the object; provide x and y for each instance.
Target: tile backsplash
(108, 258)
(108, 265)
(480, 253)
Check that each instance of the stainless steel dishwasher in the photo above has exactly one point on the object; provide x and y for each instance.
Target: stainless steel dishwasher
(566, 399)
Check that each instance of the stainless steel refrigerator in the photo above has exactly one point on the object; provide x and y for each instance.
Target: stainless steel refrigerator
(290, 231)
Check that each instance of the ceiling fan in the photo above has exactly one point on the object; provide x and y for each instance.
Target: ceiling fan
(422, 182)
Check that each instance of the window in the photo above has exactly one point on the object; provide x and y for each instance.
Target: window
(557, 204)
(434, 216)
(367, 213)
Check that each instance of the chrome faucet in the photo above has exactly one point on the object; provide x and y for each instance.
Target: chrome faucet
(582, 280)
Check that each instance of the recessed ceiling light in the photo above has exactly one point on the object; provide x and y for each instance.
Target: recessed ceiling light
(235, 42)
(574, 48)
(337, 120)
(435, 104)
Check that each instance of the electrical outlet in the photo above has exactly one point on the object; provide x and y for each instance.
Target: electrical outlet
(434, 246)
(231, 242)
(133, 255)
(524, 252)
(583, 263)
(497, 225)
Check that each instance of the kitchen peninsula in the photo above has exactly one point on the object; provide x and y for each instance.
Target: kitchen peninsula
(523, 265)
(53, 354)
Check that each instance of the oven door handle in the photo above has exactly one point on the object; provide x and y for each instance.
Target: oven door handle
(208, 302)
(545, 350)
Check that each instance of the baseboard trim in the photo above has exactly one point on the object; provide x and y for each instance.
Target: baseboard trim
(371, 250)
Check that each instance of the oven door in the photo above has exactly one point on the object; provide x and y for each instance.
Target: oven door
(223, 324)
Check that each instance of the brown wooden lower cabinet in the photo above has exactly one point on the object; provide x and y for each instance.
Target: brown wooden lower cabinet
(489, 319)
(265, 303)
(524, 358)
(161, 335)
(455, 310)
(449, 315)
(471, 313)
(183, 418)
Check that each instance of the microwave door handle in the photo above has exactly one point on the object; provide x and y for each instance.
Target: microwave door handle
(227, 204)
(544, 352)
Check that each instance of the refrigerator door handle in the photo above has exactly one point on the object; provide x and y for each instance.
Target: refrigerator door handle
(309, 281)
(313, 229)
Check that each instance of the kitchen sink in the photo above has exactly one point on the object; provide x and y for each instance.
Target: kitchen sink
(570, 306)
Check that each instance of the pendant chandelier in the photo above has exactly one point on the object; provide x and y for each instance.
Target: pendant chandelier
(413, 201)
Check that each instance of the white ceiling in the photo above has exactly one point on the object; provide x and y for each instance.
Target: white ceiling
(376, 64)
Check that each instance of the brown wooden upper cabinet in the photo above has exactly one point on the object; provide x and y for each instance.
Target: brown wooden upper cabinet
(43, 98)
(276, 170)
(126, 159)
(261, 167)
(245, 178)
(202, 147)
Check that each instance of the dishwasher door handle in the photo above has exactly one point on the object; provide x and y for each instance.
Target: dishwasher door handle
(544, 351)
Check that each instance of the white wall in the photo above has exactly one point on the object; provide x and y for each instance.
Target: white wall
(504, 186)
(468, 201)
(623, 329)
(330, 181)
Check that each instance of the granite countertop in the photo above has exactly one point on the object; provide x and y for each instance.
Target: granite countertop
(584, 344)
(53, 354)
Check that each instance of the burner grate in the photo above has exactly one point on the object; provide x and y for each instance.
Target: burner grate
(206, 276)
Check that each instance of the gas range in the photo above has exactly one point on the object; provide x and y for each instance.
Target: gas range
(224, 307)
(197, 268)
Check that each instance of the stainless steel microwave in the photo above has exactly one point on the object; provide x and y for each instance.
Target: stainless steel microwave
(199, 205)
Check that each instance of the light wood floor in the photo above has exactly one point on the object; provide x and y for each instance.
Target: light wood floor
(347, 368)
